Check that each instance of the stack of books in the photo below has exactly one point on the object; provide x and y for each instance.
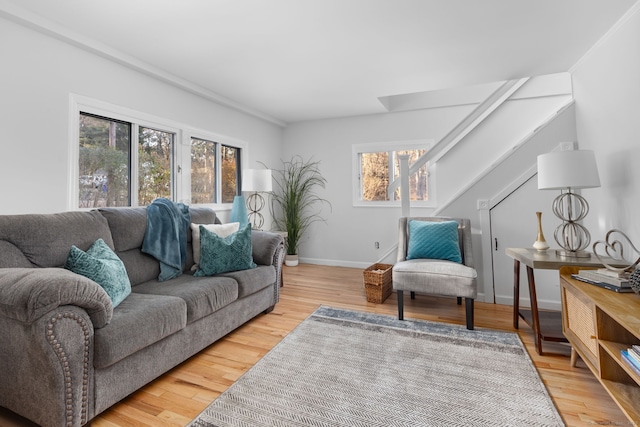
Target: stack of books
(632, 357)
(617, 282)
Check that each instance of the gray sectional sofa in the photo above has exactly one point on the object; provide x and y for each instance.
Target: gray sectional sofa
(66, 354)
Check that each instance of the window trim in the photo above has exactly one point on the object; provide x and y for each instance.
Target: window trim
(182, 147)
(372, 147)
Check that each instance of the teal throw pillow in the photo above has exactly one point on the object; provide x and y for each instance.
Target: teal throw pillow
(434, 240)
(222, 254)
(103, 266)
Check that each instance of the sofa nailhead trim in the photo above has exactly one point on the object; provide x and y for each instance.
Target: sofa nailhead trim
(62, 357)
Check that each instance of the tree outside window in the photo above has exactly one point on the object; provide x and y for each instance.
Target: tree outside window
(155, 154)
(230, 168)
(203, 171)
(104, 159)
(378, 169)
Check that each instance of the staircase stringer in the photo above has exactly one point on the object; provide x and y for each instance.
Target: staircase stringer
(462, 129)
(503, 158)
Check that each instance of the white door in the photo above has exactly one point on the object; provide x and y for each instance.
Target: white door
(514, 225)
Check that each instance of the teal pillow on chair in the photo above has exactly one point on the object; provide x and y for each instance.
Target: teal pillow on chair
(434, 240)
(103, 266)
(224, 254)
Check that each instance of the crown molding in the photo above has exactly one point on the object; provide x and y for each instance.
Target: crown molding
(44, 26)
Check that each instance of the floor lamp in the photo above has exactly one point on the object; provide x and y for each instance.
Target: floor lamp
(256, 181)
(567, 171)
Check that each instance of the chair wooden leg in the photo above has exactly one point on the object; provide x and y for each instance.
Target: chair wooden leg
(459, 300)
(400, 305)
(413, 295)
(469, 306)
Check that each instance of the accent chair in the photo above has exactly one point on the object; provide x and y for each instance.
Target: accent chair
(434, 257)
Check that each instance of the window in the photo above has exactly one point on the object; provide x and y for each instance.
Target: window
(204, 187)
(377, 166)
(104, 162)
(203, 171)
(155, 165)
(126, 158)
(230, 168)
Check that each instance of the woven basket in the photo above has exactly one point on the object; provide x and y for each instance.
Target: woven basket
(377, 282)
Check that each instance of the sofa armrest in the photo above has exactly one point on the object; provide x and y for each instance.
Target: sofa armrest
(268, 249)
(265, 246)
(27, 294)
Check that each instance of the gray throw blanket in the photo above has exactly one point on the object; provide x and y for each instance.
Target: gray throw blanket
(166, 236)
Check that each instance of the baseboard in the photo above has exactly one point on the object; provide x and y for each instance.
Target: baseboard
(525, 303)
(336, 263)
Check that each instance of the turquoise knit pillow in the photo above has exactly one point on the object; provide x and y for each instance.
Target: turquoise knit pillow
(103, 266)
(434, 240)
(223, 254)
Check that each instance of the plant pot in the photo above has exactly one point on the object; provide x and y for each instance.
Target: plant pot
(291, 260)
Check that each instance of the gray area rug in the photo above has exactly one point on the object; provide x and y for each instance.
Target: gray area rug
(346, 368)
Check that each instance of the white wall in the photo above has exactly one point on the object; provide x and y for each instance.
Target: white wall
(607, 92)
(350, 232)
(37, 76)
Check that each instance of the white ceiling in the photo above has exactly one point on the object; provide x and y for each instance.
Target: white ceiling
(295, 60)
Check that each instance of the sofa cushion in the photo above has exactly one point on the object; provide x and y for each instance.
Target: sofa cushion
(253, 280)
(222, 254)
(202, 295)
(140, 320)
(100, 264)
(45, 239)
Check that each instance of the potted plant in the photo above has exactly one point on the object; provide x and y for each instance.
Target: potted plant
(295, 204)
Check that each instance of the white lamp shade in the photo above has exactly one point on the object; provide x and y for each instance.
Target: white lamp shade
(256, 180)
(567, 169)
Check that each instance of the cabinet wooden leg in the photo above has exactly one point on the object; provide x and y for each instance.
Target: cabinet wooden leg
(574, 358)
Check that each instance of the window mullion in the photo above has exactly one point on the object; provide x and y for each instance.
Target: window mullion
(218, 172)
(391, 167)
(135, 158)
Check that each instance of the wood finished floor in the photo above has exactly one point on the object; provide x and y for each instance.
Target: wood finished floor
(181, 394)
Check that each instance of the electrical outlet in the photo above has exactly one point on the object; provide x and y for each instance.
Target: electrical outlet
(483, 204)
(376, 245)
(567, 146)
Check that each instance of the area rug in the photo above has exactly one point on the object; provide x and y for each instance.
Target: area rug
(346, 368)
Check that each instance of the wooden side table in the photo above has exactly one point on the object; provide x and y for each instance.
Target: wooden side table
(546, 325)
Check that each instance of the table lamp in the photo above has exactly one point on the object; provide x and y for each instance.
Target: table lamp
(567, 171)
(256, 181)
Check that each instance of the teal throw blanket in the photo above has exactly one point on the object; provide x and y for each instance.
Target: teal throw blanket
(166, 236)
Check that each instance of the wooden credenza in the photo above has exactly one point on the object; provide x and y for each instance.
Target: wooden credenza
(599, 323)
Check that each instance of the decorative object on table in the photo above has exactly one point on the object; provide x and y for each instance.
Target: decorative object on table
(295, 203)
(239, 211)
(568, 171)
(540, 244)
(347, 368)
(378, 282)
(614, 248)
(256, 181)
